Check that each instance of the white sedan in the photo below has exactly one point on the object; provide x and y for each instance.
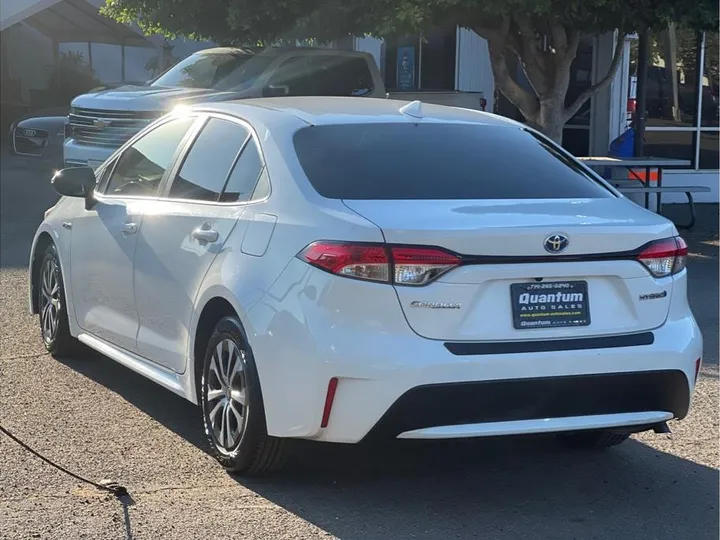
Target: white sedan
(342, 269)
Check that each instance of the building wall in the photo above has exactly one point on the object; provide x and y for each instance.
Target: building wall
(473, 72)
(29, 57)
(14, 11)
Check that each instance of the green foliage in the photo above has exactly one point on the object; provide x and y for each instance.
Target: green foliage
(513, 28)
(253, 22)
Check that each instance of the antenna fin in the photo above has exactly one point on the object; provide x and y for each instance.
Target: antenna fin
(414, 109)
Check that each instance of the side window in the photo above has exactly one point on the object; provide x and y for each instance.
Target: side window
(141, 167)
(342, 76)
(206, 167)
(262, 189)
(104, 177)
(295, 74)
(324, 75)
(245, 174)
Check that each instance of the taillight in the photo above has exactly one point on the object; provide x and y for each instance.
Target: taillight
(369, 262)
(400, 265)
(665, 257)
(421, 265)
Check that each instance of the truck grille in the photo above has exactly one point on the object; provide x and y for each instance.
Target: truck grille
(108, 128)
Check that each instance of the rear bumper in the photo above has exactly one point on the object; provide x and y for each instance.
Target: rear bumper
(512, 401)
(313, 327)
(436, 394)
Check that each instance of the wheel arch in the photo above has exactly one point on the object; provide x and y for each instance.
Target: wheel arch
(214, 310)
(214, 304)
(42, 241)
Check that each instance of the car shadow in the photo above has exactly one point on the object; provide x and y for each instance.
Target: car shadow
(509, 488)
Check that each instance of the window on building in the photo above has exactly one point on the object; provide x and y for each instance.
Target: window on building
(682, 96)
(421, 62)
(669, 144)
(709, 157)
(672, 78)
(437, 60)
(710, 82)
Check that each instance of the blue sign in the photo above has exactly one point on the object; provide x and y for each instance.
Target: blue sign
(406, 68)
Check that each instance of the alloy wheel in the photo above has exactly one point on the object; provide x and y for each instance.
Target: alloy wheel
(49, 301)
(226, 395)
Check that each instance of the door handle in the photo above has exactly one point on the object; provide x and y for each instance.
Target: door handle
(129, 228)
(206, 234)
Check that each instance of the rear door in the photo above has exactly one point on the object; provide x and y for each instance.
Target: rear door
(498, 197)
(187, 229)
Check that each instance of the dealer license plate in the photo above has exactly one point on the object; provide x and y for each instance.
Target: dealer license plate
(550, 304)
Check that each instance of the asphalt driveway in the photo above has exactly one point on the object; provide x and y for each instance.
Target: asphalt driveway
(103, 421)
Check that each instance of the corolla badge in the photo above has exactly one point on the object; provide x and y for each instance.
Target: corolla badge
(555, 243)
(435, 305)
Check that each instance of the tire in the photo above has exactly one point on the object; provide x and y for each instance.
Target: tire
(52, 307)
(592, 440)
(232, 406)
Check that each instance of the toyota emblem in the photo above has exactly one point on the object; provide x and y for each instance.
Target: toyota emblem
(555, 243)
(100, 123)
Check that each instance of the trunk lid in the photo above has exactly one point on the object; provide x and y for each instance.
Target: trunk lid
(503, 242)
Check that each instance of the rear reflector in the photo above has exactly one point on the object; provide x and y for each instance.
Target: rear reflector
(329, 398)
(698, 363)
(400, 265)
(665, 257)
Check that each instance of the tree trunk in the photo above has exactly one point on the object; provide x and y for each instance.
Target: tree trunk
(547, 69)
(549, 119)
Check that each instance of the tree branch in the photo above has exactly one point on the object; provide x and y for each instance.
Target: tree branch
(518, 96)
(531, 57)
(582, 98)
(565, 59)
(559, 36)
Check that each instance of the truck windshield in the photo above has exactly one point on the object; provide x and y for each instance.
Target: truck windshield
(218, 71)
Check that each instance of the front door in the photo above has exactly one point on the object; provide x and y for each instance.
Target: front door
(104, 239)
(178, 243)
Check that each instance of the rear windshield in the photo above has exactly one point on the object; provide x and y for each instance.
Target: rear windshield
(438, 161)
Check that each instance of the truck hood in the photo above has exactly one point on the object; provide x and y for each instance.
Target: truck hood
(149, 98)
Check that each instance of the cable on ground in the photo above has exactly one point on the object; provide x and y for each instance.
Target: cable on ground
(109, 486)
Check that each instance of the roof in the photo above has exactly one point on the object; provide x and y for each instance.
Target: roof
(343, 110)
(277, 51)
(71, 21)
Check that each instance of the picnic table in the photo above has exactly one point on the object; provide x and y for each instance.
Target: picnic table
(630, 184)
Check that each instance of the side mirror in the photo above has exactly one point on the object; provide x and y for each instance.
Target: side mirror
(75, 182)
(276, 90)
